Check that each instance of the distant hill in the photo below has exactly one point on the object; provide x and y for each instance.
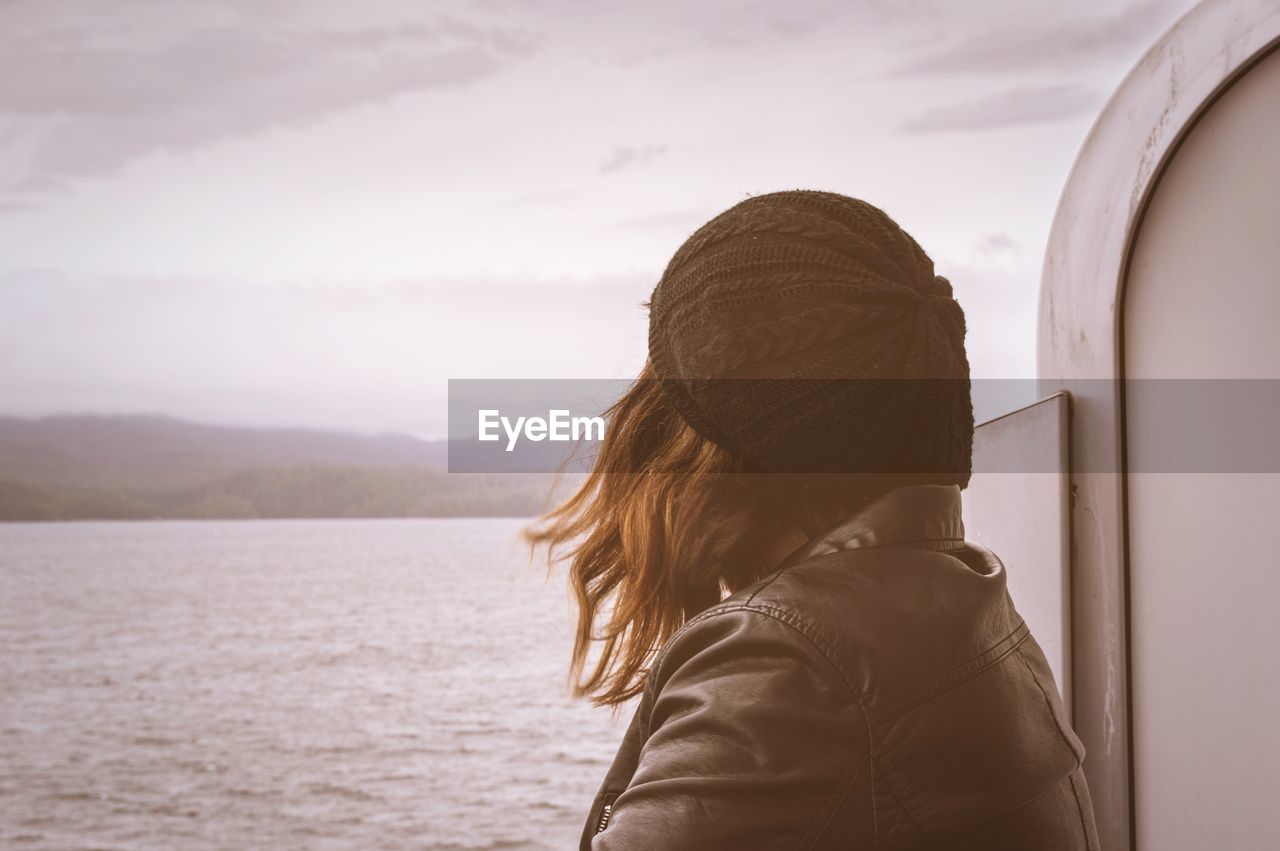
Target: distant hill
(146, 467)
(152, 450)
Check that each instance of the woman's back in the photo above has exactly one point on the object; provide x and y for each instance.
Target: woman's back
(878, 690)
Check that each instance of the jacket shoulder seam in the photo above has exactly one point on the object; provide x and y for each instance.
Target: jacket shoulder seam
(1084, 826)
(820, 821)
(651, 687)
(1057, 722)
(775, 613)
(953, 676)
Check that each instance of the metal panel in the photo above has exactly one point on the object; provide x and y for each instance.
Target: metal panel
(1017, 506)
(1079, 339)
(1201, 301)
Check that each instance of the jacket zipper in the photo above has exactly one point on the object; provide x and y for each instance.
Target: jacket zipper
(605, 812)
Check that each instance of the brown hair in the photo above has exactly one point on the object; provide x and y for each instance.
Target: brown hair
(664, 525)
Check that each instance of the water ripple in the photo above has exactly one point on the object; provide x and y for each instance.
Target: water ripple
(304, 684)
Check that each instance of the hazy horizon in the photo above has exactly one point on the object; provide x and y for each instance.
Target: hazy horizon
(226, 424)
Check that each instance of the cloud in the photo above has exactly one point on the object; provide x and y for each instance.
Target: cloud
(628, 156)
(95, 103)
(11, 207)
(1055, 44)
(1010, 108)
(748, 23)
(998, 243)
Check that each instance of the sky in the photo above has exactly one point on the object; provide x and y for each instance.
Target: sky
(315, 213)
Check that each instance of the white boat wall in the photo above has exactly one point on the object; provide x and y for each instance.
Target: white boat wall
(1151, 582)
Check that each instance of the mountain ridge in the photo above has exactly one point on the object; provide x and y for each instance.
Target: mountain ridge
(147, 466)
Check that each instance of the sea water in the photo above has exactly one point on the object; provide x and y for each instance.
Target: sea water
(289, 684)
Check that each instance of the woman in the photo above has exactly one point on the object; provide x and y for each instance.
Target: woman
(769, 555)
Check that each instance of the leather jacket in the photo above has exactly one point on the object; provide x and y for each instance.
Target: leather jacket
(877, 691)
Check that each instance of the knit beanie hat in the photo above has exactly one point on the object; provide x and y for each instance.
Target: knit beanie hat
(806, 332)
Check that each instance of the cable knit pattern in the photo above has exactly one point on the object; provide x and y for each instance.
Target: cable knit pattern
(807, 332)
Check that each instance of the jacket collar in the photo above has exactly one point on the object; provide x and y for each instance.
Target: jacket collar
(925, 516)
